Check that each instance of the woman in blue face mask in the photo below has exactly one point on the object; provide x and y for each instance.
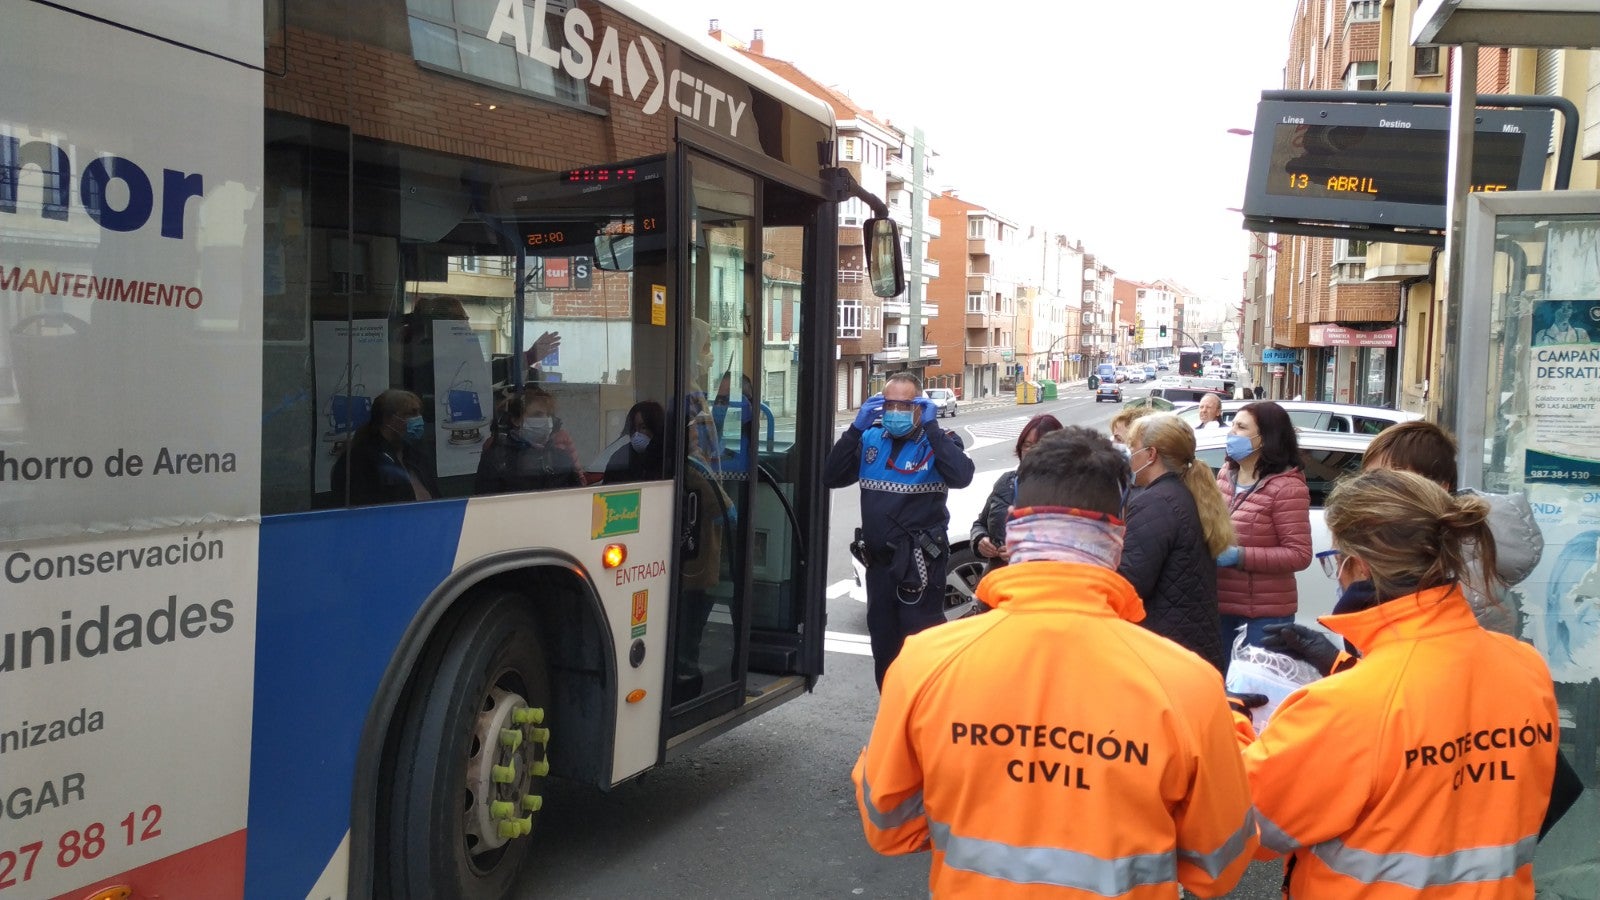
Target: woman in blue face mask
(387, 460)
(640, 457)
(1270, 506)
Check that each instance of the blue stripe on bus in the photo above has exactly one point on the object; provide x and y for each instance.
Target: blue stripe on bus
(336, 592)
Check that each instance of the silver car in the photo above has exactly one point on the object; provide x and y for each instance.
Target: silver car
(944, 401)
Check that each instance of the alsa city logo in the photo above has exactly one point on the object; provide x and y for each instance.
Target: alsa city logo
(580, 57)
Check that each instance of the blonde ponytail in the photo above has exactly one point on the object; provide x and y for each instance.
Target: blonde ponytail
(1173, 441)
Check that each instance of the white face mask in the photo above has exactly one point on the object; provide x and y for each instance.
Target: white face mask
(1153, 458)
(536, 429)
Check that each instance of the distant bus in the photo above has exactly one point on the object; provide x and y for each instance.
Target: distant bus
(401, 404)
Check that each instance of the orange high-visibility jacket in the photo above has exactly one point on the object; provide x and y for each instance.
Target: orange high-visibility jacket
(1053, 748)
(1422, 771)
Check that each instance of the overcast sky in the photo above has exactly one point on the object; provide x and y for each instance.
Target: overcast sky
(1106, 121)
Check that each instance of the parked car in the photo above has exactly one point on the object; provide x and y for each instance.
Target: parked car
(1315, 415)
(1326, 455)
(944, 401)
(1108, 390)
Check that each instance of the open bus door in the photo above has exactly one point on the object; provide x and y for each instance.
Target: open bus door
(751, 613)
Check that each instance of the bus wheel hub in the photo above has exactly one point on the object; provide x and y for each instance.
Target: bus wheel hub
(510, 757)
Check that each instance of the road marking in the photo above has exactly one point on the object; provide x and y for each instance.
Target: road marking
(840, 588)
(842, 642)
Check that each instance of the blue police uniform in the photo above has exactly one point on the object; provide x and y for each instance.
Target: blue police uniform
(904, 523)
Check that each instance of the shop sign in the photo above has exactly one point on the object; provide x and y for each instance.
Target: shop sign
(1275, 355)
(1340, 336)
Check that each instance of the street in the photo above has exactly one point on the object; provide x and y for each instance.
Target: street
(768, 810)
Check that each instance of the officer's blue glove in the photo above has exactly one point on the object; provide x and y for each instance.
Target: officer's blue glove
(929, 411)
(869, 412)
(1230, 557)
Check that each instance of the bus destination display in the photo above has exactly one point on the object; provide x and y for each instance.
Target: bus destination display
(1397, 164)
(1379, 165)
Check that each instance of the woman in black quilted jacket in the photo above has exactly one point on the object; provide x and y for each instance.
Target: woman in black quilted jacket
(989, 531)
(1176, 526)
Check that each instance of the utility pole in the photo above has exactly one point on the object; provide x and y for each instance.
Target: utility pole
(914, 275)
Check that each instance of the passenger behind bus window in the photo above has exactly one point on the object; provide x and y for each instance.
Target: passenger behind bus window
(387, 460)
(640, 459)
(529, 450)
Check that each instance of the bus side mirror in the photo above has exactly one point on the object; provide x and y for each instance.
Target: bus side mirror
(885, 267)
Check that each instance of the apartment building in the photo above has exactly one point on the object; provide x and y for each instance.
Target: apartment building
(875, 336)
(1333, 326)
(1572, 74)
(979, 256)
(1100, 334)
(1051, 268)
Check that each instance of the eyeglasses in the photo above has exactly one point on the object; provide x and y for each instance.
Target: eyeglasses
(1330, 560)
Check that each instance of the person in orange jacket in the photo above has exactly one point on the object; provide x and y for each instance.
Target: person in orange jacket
(1425, 770)
(1052, 747)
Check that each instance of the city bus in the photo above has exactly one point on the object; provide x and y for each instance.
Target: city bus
(402, 403)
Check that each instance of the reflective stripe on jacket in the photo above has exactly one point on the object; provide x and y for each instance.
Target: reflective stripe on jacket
(1053, 748)
(1424, 770)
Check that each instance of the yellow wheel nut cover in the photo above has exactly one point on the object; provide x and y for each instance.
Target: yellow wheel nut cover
(503, 774)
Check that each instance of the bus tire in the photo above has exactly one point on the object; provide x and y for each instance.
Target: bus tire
(450, 766)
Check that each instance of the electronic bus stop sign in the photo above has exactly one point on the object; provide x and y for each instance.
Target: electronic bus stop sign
(1377, 171)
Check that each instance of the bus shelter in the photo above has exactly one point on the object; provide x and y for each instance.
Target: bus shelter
(1528, 410)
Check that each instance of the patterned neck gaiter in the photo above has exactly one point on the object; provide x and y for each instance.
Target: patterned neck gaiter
(1064, 534)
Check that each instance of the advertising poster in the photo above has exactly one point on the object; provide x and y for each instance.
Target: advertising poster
(130, 460)
(1561, 599)
(115, 754)
(134, 329)
(1564, 394)
(345, 392)
(465, 397)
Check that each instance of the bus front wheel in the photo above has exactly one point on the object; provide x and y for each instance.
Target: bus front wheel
(471, 756)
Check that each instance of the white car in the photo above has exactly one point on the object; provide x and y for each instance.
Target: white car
(1326, 455)
(944, 401)
(1314, 415)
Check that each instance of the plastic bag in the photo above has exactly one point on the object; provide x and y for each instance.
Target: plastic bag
(1254, 670)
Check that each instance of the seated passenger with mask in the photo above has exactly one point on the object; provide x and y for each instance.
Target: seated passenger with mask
(529, 450)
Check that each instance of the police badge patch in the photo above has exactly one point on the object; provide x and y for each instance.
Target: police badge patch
(872, 455)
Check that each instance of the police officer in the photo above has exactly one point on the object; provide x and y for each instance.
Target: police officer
(905, 466)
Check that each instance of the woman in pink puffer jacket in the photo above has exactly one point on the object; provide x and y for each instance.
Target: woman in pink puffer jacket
(1265, 490)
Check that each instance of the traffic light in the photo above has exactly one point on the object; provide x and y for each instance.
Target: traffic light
(1163, 331)
(1130, 331)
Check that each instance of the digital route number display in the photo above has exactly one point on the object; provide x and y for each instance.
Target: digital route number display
(1381, 165)
(554, 238)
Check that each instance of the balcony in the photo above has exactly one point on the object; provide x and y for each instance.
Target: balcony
(980, 319)
(930, 268)
(931, 226)
(898, 169)
(900, 307)
(977, 246)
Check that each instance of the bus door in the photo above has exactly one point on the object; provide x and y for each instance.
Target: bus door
(740, 618)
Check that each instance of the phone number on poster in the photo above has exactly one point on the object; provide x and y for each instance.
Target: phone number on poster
(76, 845)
